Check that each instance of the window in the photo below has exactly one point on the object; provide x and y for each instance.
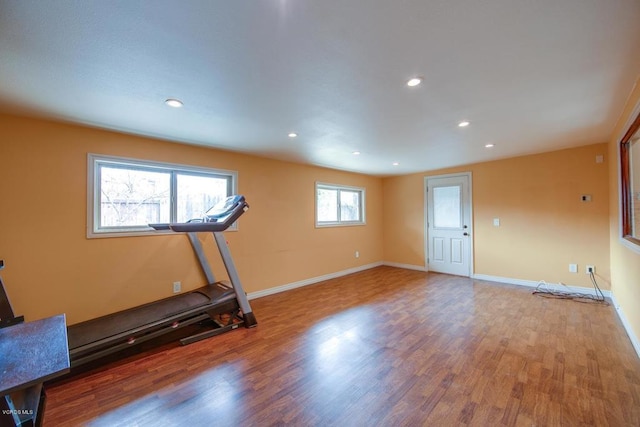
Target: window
(630, 183)
(447, 210)
(127, 195)
(339, 205)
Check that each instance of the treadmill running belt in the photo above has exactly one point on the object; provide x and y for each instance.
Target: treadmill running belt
(93, 330)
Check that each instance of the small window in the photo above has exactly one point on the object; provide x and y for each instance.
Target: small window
(339, 205)
(126, 195)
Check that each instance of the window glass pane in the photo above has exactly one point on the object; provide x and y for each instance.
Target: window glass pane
(446, 207)
(349, 205)
(198, 193)
(327, 205)
(634, 181)
(133, 197)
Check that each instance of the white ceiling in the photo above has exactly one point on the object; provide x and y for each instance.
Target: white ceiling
(530, 75)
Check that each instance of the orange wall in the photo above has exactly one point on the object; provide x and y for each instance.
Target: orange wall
(544, 226)
(625, 262)
(53, 268)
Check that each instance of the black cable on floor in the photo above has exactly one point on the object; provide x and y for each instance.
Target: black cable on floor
(544, 291)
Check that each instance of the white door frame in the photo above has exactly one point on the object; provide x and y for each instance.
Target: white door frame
(426, 217)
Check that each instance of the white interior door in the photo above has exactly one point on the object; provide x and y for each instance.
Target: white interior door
(449, 234)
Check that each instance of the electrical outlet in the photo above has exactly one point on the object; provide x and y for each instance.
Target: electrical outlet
(357, 254)
(590, 269)
(573, 268)
(177, 287)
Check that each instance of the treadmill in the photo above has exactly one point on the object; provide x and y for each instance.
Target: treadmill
(222, 305)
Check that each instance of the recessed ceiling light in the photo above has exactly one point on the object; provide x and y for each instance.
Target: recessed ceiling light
(489, 145)
(395, 163)
(464, 124)
(175, 103)
(292, 135)
(356, 153)
(414, 81)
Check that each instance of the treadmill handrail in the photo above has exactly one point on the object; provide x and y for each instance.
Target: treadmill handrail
(211, 226)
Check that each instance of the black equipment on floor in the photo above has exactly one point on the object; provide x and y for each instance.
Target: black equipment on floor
(223, 305)
(7, 318)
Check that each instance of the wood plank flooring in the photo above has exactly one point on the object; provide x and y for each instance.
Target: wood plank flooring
(384, 347)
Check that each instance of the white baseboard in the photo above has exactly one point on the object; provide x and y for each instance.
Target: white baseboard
(310, 281)
(405, 266)
(627, 326)
(534, 284)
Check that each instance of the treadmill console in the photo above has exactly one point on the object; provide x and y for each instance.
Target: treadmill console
(224, 208)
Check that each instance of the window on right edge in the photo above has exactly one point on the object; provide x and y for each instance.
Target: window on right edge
(339, 205)
(630, 182)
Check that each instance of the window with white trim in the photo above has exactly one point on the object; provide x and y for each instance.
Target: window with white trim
(338, 205)
(126, 195)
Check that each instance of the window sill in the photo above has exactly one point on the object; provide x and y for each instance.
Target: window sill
(340, 224)
(631, 244)
(139, 233)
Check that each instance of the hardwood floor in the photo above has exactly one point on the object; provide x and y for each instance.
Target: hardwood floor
(382, 347)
